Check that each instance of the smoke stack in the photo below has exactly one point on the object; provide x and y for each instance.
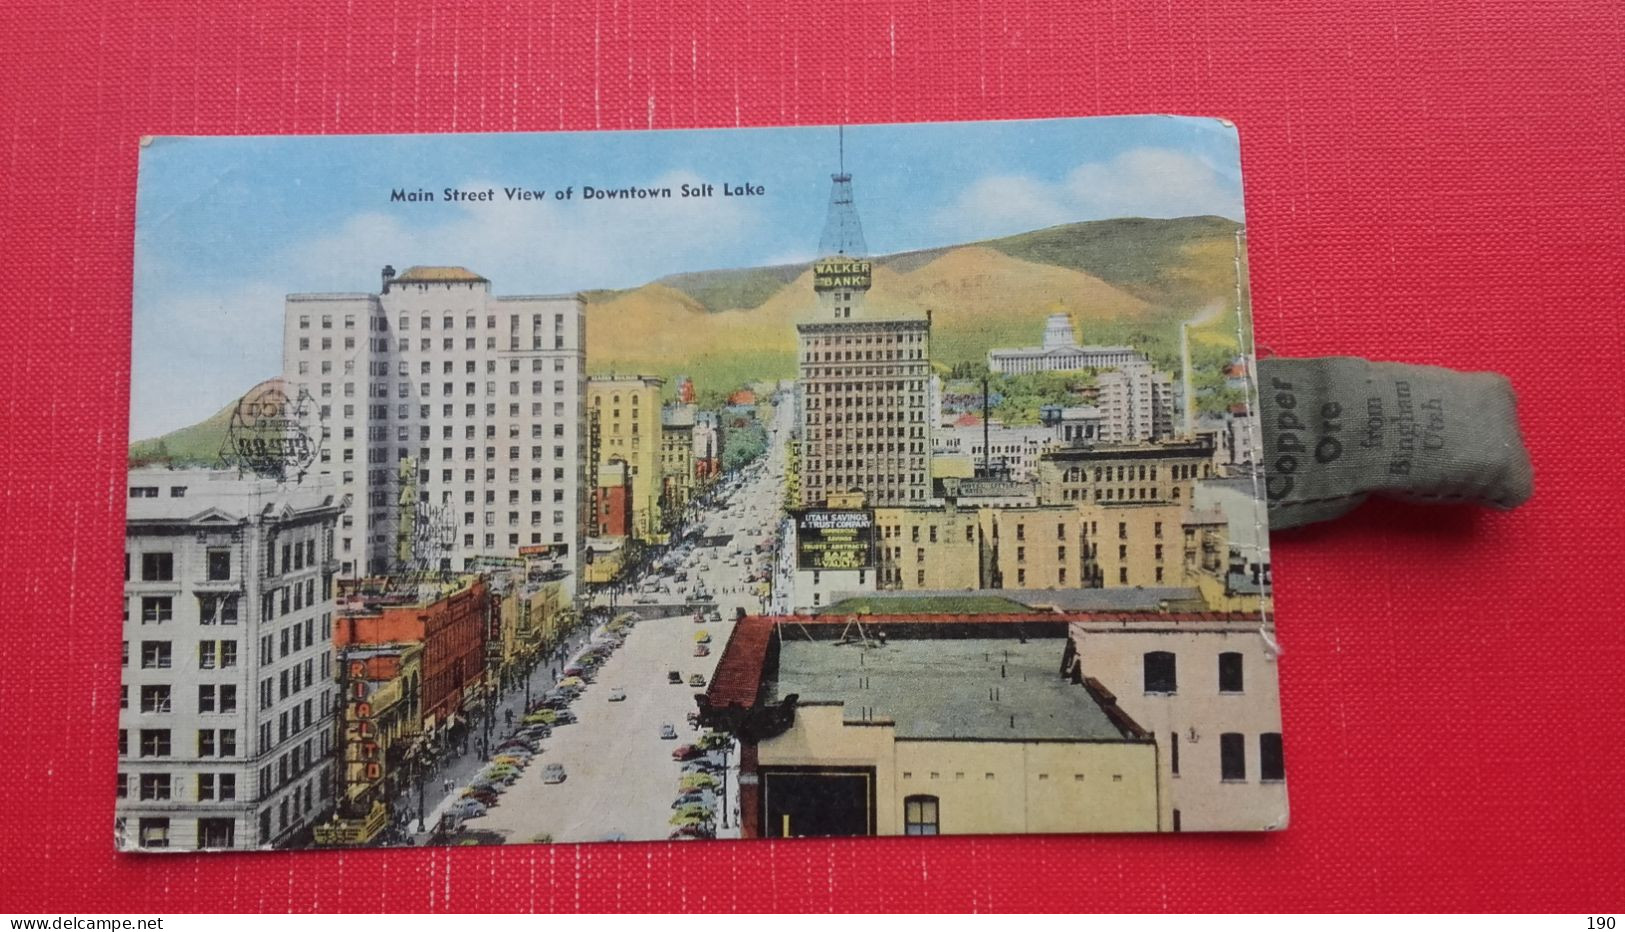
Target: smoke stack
(1185, 378)
(987, 415)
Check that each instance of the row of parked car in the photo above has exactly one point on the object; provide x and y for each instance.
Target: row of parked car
(551, 710)
(700, 786)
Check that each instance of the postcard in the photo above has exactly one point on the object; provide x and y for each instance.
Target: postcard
(713, 484)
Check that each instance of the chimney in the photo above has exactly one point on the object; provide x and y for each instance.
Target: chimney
(1188, 390)
(389, 273)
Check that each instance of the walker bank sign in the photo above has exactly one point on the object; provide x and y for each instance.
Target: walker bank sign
(841, 272)
(835, 540)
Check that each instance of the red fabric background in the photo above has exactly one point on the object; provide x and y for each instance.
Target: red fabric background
(1427, 182)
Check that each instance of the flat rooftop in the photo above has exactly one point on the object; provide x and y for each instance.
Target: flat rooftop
(982, 688)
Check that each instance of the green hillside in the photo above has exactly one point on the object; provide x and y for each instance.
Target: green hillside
(196, 445)
(733, 288)
(1162, 261)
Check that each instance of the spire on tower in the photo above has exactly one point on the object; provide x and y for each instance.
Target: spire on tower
(843, 233)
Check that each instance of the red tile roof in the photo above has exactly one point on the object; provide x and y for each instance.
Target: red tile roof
(841, 618)
(738, 677)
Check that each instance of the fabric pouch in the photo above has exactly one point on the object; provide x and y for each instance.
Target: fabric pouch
(1340, 429)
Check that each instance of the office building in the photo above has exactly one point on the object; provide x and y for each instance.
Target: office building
(1137, 404)
(864, 387)
(629, 434)
(225, 737)
(481, 396)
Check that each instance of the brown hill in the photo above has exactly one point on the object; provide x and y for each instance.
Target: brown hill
(979, 298)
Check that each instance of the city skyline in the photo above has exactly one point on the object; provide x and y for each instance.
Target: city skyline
(273, 215)
(557, 604)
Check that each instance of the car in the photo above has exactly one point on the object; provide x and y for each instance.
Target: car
(702, 637)
(694, 811)
(700, 650)
(674, 677)
(695, 797)
(468, 808)
(685, 752)
(697, 680)
(667, 732)
(565, 717)
(485, 797)
(553, 773)
(617, 695)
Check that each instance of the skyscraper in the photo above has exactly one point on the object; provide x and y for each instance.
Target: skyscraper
(485, 393)
(865, 383)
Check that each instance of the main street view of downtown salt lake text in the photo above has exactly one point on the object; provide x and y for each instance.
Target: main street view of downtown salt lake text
(886, 480)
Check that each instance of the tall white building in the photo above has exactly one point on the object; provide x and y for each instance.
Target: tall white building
(225, 721)
(1137, 402)
(482, 395)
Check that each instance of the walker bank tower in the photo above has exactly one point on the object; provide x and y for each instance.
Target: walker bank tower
(864, 378)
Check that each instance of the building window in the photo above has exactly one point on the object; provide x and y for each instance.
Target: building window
(1230, 672)
(1271, 764)
(154, 833)
(1173, 753)
(219, 565)
(155, 699)
(156, 609)
(1160, 675)
(1232, 756)
(157, 567)
(154, 742)
(155, 786)
(217, 609)
(920, 815)
(215, 833)
(154, 655)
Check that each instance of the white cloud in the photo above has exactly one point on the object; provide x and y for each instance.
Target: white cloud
(1144, 182)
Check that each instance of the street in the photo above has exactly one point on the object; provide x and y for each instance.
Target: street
(621, 778)
(620, 775)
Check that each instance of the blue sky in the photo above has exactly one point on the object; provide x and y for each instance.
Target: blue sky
(226, 226)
